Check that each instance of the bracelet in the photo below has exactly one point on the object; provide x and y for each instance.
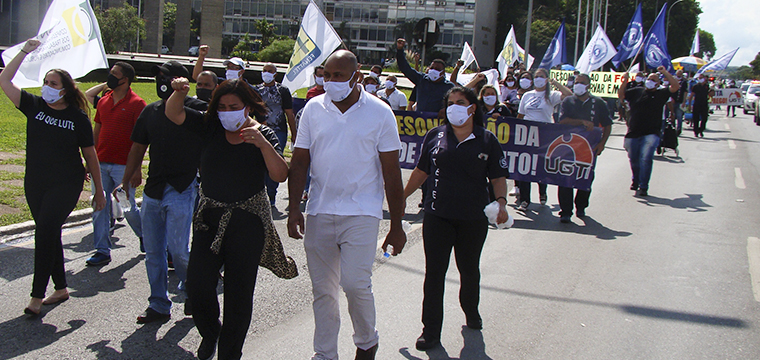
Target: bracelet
(501, 197)
(22, 50)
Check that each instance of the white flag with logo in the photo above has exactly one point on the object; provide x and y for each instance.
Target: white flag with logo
(510, 53)
(468, 57)
(69, 39)
(695, 44)
(315, 42)
(719, 63)
(597, 53)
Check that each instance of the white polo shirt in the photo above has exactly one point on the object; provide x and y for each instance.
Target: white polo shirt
(346, 174)
(397, 99)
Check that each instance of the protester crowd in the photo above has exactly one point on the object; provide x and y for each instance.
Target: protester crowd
(216, 160)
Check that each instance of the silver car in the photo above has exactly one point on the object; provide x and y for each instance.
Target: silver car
(749, 99)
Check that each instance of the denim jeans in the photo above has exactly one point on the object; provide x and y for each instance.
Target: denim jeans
(679, 116)
(640, 154)
(282, 138)
(166, 222)
(111, 176)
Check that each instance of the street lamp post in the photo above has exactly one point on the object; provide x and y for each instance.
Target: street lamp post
(667, 20)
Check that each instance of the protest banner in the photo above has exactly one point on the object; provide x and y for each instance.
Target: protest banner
(727, 96)
(603, 83)
(538, 152)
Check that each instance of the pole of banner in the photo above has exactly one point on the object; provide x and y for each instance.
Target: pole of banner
(633, 61)
(577, 32)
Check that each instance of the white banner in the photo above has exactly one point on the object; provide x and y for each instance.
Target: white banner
(727, 96)
(316, 41)
(468, 57)
(70, 40)
(511, 52)
(598, 51)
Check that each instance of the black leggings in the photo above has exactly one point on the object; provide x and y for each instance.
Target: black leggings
(50, 206)
(241, 250)
(439, 236)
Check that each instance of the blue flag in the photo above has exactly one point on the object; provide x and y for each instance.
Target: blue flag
(555, 53)
(632, 39)
(655, 45)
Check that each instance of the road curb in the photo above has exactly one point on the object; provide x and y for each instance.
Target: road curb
(77, 217)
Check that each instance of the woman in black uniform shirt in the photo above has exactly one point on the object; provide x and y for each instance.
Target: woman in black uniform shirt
(456, 160)
(233, 223)
(57, 128)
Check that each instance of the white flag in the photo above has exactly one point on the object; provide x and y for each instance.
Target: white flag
(695, 44)
(634, 69)
(510, 53)
(719, 63)
(598, 51)
(316, 41)
(468, 56)
(70, 40)
(492, 78)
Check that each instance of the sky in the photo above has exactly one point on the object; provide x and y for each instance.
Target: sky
(733, 23)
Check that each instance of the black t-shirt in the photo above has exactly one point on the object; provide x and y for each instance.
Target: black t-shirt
(500, 109)
(53, 141)
(593, 109)
(458, 172)
(701, 93)
(174, 152)
(646, 111)
(230, 173)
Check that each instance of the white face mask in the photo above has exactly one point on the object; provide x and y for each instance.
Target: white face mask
(457, 114)
(510, 83)
(570, 83)
(434, 75)
(579, 89)
(373, 74)
(371, 88)
(51, 95)
(650, 84)
(490, 100)
(639, 79)
(702, 80)
(339, 91)
(389, 84)
(232, 74)
(319, 80)
(267, 77)
(539, 82)
(233, 120)
(525, 83)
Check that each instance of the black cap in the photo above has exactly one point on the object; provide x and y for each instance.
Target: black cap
(171, 68)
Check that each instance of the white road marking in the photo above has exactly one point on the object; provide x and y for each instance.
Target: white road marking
(739, 180)
(753, 255)
(727, 127)
(731, 144)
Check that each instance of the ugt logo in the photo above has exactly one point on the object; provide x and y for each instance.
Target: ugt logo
(568, 157)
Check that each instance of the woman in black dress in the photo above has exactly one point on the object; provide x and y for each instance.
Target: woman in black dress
(233, 224)
(57, 129)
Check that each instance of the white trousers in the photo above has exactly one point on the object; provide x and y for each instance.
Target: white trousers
(340, 251)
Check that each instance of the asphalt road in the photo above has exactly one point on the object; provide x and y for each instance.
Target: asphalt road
(669, 276)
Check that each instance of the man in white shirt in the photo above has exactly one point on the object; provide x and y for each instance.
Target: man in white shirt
(394, 97)
(350, 139)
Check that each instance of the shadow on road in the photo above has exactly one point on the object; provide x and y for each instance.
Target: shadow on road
(16, 339)
(17, 263)
(142, 344)
(91, 281)
(474, 348)
(542, 218)
(692, 202)
(626, 308)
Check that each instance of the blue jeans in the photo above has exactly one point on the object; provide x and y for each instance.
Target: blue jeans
(111, 176)
(166, 222)
(679, 116)
(640, 154)
(282, 138)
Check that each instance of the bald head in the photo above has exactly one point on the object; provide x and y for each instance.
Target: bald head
(341, 66)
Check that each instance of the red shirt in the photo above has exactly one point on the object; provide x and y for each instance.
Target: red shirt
(116, 123)
(314, 92)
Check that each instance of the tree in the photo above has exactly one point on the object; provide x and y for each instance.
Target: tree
(267, 31)
(170, 21)
(743, 72)
(279, 51)
(756, 65)
(119, 26)
(244, 48)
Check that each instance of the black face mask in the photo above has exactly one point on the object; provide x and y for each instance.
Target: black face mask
(203, 94)
(163, 86)
(113, 81)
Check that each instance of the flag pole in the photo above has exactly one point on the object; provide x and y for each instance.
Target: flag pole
(633, 61)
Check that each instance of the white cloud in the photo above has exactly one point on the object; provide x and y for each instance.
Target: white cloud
(733, 23)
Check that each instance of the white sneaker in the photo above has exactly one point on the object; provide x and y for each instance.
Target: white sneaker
(523, 206)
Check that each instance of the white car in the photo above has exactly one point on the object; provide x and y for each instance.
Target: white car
(749, 99)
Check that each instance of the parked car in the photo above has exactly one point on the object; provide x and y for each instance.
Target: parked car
(757, 113)
(749, 99)
(192, 51)
(165, 50)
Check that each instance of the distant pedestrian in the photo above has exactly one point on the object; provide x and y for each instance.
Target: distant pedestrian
(699, 98)
(393, 96)
(431, 86)
(731, 109)
(57, 129)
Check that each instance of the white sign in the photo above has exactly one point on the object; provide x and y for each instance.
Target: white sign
(728, 96)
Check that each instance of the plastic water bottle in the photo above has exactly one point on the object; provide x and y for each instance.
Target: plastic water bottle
(388, 252)
(121, 198)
